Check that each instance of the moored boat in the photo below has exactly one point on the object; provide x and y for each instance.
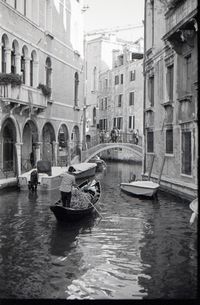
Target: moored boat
(101, 164)
(140, 188)
(194, 207)
(84, 170)
(71, 214)
(49, 177)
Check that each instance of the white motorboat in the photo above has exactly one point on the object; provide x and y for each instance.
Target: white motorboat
(140, 188)
(194, 207)
(50, 179)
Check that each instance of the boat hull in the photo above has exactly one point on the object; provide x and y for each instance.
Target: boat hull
(194, 207)
(139, 189)
(65, 214)
(49, 183)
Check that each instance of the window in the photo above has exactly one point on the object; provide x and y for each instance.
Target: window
(23, 66)
(94, 79)
(15, 4)
(94, 116)
(186, 153)
(101, 105)
(151, 90)
(48, 72)
(131, 98)
(31, 70)
(76, 84)
(120, 100)
(131, 124)
(116, 79)
(25, 8)
(13, 67)
(106, 83)
(170, 82)
(122, 78)
(115, 122)
(132, 75)
(105, 103)
(150, 145)
(119, 122)
(152, 20)
(169, 141)
(3, 54)
(188, 72)
(121, 60)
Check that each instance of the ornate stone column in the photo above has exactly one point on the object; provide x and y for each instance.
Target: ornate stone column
(8, 60)
(27, 71)
(18, 63)
(37, 151)
(0, 57)
(55, 152)
(35, 74)
(69, 152)
(18, 147)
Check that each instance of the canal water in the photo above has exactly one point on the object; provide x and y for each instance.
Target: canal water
(139, 249)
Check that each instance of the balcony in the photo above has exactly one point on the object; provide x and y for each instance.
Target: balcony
(22, 97)
(178, 13)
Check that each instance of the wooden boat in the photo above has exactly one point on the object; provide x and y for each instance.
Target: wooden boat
(69, 214)
(101, 164)
(84, 170)
(194, 207)
(49, 177)
(140, 188)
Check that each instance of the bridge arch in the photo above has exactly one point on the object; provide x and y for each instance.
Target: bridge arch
(88, 154)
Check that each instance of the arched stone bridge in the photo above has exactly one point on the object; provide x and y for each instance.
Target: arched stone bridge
(91, 152)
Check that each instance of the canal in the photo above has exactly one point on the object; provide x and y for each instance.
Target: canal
(140, 249)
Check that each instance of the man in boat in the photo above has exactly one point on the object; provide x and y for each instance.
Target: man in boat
(68, 180)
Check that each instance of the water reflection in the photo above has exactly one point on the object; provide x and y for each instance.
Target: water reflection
(140, 249)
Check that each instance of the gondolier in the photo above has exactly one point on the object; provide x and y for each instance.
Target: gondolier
(68, 180)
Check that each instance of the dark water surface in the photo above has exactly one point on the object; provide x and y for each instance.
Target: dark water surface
(141, 249)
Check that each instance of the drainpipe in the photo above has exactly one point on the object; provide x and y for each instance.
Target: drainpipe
(144, 104)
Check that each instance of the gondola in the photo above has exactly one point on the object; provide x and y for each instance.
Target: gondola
(65, 214)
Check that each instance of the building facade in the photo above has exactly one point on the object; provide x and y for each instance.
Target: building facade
(41, 82)
(170, 95)
(99, 59)
(121, 92)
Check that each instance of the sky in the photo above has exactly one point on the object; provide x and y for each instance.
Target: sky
(113, 13)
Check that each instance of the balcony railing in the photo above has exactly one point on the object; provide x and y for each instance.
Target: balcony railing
(24, 95)
(124, 137)
(181, 10)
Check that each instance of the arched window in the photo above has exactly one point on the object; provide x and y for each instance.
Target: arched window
(13, 64)
(3, 52)
(23, 65)
(76, 83)
(31, 69)
(94, 116)
(48, 72)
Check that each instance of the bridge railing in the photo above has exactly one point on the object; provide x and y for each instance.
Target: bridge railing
(124, 137)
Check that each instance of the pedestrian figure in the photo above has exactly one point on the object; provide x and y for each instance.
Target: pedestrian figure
(116, 134)
(112, 135)
(33, 181)
(68, 180)
(102, 136)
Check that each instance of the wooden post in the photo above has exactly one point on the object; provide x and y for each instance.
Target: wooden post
(149, 175)
(163, 163)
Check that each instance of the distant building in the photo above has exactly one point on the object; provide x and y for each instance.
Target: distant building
(121, 93)
(41, 82)
(170, 94)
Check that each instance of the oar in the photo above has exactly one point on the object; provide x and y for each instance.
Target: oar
(91, 203)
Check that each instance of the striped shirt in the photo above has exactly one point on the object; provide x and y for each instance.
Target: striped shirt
(67, 182)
